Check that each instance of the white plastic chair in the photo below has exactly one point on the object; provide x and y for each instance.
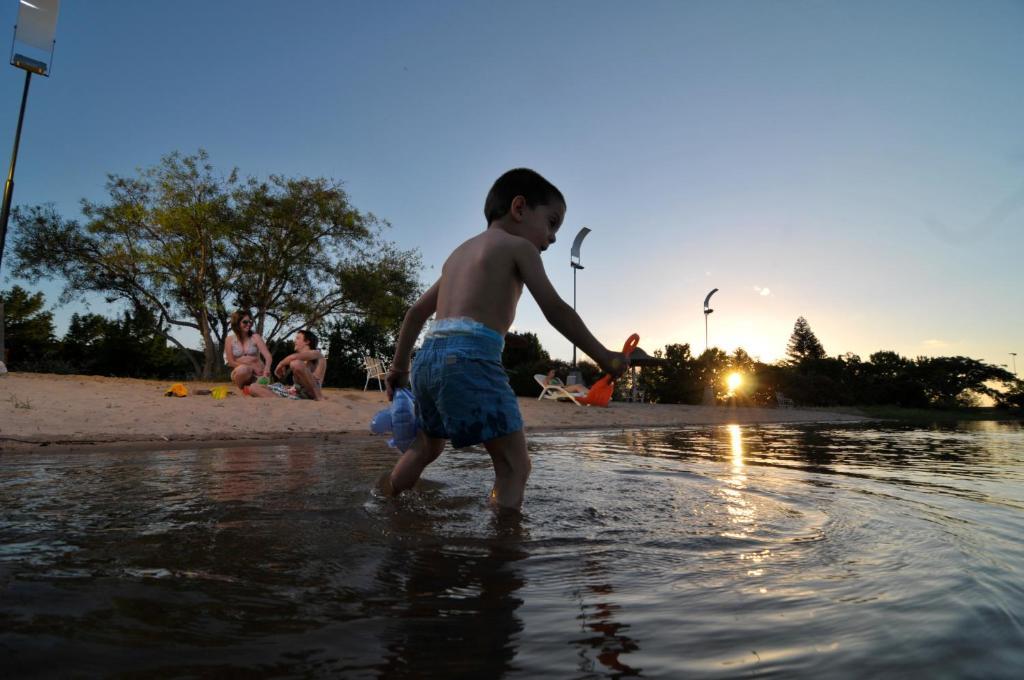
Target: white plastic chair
(377, 370)
(783, 400)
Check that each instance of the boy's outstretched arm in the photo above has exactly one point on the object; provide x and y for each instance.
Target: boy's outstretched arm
(412, 324)
(561, 315)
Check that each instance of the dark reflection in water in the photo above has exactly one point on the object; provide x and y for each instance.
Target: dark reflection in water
(600, 619)
(839, 551)
(451, 607)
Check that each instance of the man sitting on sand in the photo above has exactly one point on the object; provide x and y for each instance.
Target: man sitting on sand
(307, 365)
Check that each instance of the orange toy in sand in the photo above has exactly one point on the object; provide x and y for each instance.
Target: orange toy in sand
(601, 393)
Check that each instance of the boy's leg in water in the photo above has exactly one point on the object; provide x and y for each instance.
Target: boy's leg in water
(511, 469)
(410, 466)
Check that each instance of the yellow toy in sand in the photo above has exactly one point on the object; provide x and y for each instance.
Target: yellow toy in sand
(176, 390)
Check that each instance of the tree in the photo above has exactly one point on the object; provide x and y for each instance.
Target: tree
(523, 357)
(523, 349)
(188, 246)
(131, 346)
(85, 333)
(158, 245)
(747, 391)
(350, 339)
(29, 331)
(1012, 397)
(302, 253)
(956, 381)
(710, 368)
(803, 344)
(676, 381)
(888, 378)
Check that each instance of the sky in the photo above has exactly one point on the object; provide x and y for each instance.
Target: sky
(860, 164)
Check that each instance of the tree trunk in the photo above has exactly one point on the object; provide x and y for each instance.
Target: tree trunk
(209, 346)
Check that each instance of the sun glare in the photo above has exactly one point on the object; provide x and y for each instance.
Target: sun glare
(733, 381)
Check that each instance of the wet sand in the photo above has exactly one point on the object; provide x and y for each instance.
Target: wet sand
(75, 412)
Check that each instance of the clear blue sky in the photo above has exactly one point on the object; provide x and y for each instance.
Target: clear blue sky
(857, 163)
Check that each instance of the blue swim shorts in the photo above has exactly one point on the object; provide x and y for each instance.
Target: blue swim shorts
(461, 389)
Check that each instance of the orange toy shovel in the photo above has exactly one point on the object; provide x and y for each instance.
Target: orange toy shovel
(601, 393)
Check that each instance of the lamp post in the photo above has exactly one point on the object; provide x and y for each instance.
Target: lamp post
(707, 312)
(1014, 355)
(574, 262)
(709, 390)
(35, 30)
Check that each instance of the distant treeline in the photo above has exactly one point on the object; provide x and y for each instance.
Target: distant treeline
(808, 376)
(133, 346)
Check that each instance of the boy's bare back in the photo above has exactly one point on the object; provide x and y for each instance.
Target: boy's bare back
(480, 280)
(483, 278)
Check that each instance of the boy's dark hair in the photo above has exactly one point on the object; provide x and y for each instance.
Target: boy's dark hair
(519, 182)
(310, 337)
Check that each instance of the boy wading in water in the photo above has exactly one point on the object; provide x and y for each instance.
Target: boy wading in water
(461, 390)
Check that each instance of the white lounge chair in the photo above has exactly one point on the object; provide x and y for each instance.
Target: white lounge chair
(555, 389)
(375, 370)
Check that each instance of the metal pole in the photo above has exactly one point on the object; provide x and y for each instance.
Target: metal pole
(5, 211)
(1012, 354)
(574, 309)
(705, 332)
(574, 262)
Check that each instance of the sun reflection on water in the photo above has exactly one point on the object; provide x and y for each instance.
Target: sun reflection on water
(736, 443)
(742, 514)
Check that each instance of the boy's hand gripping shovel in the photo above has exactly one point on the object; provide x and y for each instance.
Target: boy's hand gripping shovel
(601, 392)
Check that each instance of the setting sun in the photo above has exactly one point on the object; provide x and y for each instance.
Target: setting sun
(733, 381)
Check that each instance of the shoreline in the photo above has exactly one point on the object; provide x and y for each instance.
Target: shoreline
(75, 413)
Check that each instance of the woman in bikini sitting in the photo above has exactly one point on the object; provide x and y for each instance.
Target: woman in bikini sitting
(245, 353)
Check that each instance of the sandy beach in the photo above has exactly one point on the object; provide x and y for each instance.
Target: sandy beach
(75, 412)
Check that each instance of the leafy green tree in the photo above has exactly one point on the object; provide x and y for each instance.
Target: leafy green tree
(817, 382)
(676, 381)
(190, 246)
(158, 244)
(803, 344)
(958, 381)
(29, 334)
(888, 378)
(348, 340)
(768, 379)
(745, 393)
(523, 349)
(79, 346)
(130, 346)
(524, 357)
(1012, 397)
(303, 254)
(710, 368)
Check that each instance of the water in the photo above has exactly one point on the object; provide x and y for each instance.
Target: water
(838, 551)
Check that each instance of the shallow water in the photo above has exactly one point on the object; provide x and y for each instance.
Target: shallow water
(846, 551)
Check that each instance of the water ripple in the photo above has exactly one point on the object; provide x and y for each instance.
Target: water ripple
(834, 551)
